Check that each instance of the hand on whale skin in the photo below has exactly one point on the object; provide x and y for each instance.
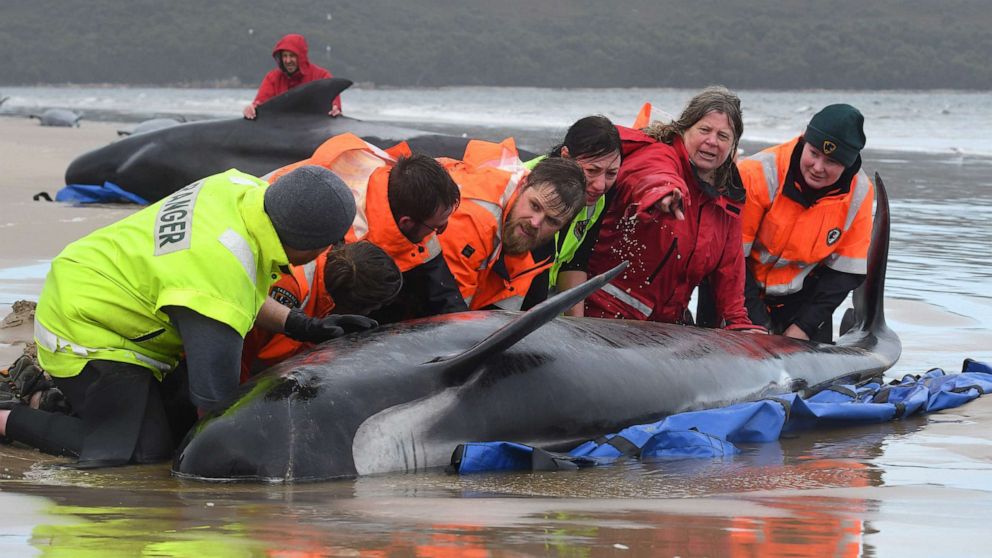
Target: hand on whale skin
(301, 327)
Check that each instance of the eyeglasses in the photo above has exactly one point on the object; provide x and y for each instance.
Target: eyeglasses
(437, 230)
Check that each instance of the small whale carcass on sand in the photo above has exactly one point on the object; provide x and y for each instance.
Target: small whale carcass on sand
(61, 118)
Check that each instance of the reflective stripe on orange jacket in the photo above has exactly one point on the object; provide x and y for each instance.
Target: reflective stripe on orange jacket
(365, 169)
(785, 240)
(302, 289)
(488, 178)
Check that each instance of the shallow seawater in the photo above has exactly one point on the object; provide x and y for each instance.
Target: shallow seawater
(843, 491)
(915, 487)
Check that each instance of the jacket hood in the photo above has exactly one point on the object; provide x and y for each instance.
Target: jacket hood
(631, 140)
(296, 44)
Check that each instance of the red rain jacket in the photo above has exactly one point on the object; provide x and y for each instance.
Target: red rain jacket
(277, 81)
(668, 258)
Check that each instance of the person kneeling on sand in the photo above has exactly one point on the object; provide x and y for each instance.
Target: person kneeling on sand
(185, 275)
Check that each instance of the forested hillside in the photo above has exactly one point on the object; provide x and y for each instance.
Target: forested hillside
(755, 44)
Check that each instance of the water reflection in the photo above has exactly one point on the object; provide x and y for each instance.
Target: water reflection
(734, 507)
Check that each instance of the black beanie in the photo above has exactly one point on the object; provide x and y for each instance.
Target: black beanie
(839, 132)
(310, 208)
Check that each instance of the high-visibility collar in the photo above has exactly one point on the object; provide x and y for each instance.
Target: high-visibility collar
(386, 234)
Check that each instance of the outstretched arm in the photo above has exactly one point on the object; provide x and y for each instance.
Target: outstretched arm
(651, 185)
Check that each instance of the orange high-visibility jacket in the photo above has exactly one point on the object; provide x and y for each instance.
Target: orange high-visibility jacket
(488, 178)
(365, 169)
(784, 240)
(302, 289)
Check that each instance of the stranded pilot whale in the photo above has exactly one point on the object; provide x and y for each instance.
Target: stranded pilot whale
(402, 397)
(63, 118)
(288, 129)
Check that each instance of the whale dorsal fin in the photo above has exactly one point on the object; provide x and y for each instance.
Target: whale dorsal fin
(869, 309)
(869, 329)
(310, 98)
(459, 368)
(878, 257)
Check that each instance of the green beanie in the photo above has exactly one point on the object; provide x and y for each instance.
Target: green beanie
(839, 132)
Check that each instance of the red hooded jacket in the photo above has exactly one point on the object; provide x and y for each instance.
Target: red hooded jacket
(668, 258)
(277, 81)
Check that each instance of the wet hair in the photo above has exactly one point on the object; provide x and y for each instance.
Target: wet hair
(361, 277)
(591, 136)
(712, 99)
(418, 186)
(567, 180)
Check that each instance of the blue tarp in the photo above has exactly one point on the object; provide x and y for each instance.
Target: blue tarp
(91, 193)
(713, 432)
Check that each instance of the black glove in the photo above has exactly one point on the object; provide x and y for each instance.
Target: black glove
(301, 327)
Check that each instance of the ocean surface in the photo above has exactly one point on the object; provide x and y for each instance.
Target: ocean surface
(918, 487)
(923, 122)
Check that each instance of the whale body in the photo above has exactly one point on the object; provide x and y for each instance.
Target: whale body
(402, 397)
(288, 128)
(62, 118)
(151, 125)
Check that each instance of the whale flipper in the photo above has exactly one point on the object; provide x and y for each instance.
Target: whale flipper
(458, 368)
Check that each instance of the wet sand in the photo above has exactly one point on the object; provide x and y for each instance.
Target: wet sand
(918, 487)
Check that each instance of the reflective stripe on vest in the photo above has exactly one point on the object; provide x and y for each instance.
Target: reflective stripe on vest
(512, 303)
(47, 339)
(860, 189)
(628, 299)
(355, 168)
(793, 286)
(241, 250)
(309, 270)
(574, 237)
(433, 246)
(353, 160)
(770, 170)
(859, 192)
(497, 212)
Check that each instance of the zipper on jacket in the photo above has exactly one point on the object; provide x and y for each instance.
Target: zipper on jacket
(688, 259)
(148, 336)
(543, 263)
(664, 260)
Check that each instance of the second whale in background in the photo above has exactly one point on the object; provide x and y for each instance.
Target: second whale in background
(288, 129)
